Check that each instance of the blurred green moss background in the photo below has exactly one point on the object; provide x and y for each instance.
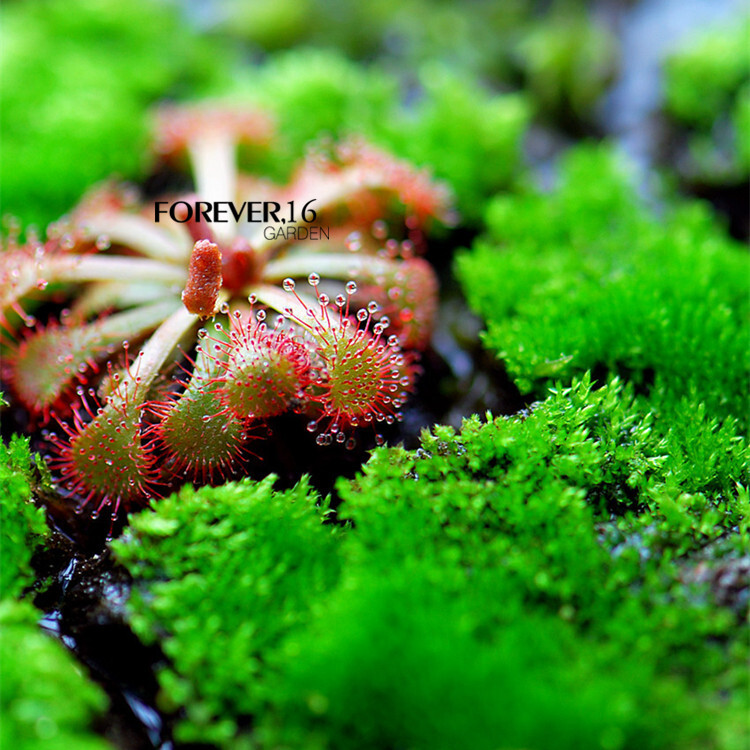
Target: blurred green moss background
(454, 87)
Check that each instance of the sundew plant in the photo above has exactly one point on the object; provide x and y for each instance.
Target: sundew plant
(360, 390)
(342, 354)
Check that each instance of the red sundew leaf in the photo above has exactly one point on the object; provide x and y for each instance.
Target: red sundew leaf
(363, 378)
(106, 460)
(365, 179)
(358, 376)
(51, 359)
(265, 371)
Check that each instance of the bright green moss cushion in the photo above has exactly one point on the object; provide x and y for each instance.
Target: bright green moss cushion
(588, 278)
(46, 702)
(704, 76)
(707, 93)
(78, 79)
(22, 524)
(222, 575)
(533, 581)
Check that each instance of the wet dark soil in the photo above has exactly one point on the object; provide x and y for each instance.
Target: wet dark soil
(83, 607)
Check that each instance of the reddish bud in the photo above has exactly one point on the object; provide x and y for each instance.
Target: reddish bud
(204, 279)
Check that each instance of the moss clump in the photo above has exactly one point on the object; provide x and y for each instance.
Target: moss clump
(707, 89)
(47, 704)
(484, 571)
(580, 501)
(224, 574)
(69, 123)
(22, 524)
(475, 38)
(703, 78)
(543, 574)
(394, 659)
(567, 61)
(464, 134)
(589, 279)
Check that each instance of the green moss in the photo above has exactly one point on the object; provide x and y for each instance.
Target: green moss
(465, 135)
(473, 38)
(567, 61)
(530, 490)
(45, 701)
(741, 122)
(544, 575)
(392, 660)
(702, 79)
(47, 704)
(706, 91)
(515, 516)
(67, 121)
(22, 524)
(461, 132)
(588, 279)
(224, 574)
(486, 603)
(322, 93)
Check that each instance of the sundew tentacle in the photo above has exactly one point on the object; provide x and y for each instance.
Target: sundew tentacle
(364, 182)
(405, 288)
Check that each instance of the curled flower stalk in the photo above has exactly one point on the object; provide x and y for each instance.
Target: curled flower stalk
(199, 298)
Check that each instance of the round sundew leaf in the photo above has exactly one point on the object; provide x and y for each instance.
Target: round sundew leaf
(48, 361)
(264, 372)
(202, 437)
(107, 459)
(362, 378)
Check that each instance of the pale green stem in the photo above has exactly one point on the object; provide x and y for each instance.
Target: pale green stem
(152, 356)
(36, 273)
(207, 362)
(115, 268)
(140, 234)
(133, 322)
(213, 158)
(111, 294)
